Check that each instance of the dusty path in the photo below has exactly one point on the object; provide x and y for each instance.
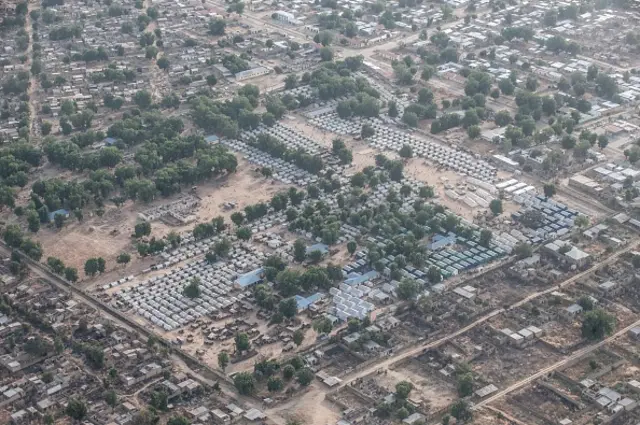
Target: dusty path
(156, 73)
(547, 370)
(34, 129)
(411, 352)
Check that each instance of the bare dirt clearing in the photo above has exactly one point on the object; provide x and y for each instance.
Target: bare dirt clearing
(109, 235)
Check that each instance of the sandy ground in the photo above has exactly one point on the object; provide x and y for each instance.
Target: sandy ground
(416, 168)
(442, 179)
(105, 237)
(432, 392)
(109, 235)
(363, 154)
(311, 408)
(245, 187)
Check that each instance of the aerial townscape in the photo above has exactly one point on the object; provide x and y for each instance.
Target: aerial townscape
(320, 212)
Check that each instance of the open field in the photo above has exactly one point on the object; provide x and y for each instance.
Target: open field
(109, 235)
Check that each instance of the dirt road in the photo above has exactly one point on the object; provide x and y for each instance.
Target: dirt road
(547, 370)
(34, 129)
(413, 351)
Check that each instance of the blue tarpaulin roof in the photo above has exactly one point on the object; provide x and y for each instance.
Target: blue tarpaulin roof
(250, 278)
(211, 139)
(440, 241)
(318, 247)
(304, 303)
(361, 278)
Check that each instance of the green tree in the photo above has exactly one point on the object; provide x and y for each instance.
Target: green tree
(408, 289)
(151, 52)
(76, 409)
(111, 398)
(242, 342)
(192, 289)
(58, 346)
(367, 131)
(274, 384)
(222, 247)
(506, 86)
(288, 372)
(434, 274)
(323, 325)
(290, 82)
(586, 303)
(632, 154)
(597, 324)
(549, 190)
(485, 237)
(403, 389)
(305, 376)
(410, 118)
(581, 221)
(211, 80)
(71, 274)
(288, 308)
(461, 411)
(159, 400)
(496, 206)
(217, 26)
(393, 109)
(237, 218)
(163, 63)
(33, 221)
(603, 141)
(523, 250)
(56, 265)
(298, 337)
(503, 118)
(465, 384)
(142, 229)
(473, 131)
(223, 360)
(13, 236)
(123, 258)
(299, 250)
(326, 54)
(143, 99)
(45, 128)
(91, 267)
(426, 192)
(406, 151)
(244, 382)
(146, 416)
(243, 233)
(352, 246)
